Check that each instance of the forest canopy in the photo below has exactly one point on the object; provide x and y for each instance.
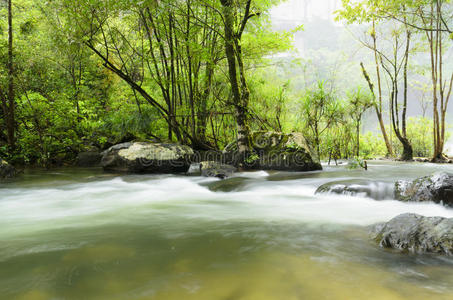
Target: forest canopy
(82, 74)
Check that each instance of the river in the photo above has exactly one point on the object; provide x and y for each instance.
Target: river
(84, 234)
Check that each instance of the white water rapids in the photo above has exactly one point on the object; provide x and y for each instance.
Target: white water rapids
(94, 225)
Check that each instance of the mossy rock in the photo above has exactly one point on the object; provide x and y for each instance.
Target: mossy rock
(416, 234)
(281, 151)
(436, 188)
(147, 158)
(6, 170)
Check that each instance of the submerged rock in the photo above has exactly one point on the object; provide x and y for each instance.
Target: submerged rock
(147, 158)
(6, 170)
(232, 184)
(416, 234)
(215, 169)
(436, 188)
(370, 189)
(279, 151)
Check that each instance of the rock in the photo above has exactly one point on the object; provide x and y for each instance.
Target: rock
(6, 170)
(233, 184)
(194, 170)
(416, 234)
(215, 169)
(436, 188)
(423, 160)
(364, 188)
(89, 159)
(279, 151)
(147, 158)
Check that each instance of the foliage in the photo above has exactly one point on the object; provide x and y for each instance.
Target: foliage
(92, 73)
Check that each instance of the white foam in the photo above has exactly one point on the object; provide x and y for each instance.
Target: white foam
(118, 200)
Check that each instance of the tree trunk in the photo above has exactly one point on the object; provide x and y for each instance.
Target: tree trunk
(239, 90)
(358, 138)
(408, 153)
(378, 106)
(407, 146)
(10, 114)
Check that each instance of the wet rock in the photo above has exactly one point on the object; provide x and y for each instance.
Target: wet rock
(215, 169)
(89, 159)
(6, 170)
(279, 151)
(416, 234)
(232, 184)
(194, 170)
(436, 188)
(423, 160)
(147, 158)
(370, 189)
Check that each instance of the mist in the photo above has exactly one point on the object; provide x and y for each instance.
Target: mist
(332, 52)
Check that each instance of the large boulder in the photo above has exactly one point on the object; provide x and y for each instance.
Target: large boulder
(436, 188)
(6, 170)
(416, 234)
(147, 158)
(279, 151)
(365, 188)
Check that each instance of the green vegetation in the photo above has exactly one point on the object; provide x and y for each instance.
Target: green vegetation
(82, 74)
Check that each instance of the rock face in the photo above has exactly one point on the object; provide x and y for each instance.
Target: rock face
(279, 151)
(6, 170)
(147, 158)
(437, 188)
(416, 234)
(215, 169)
(370, 189)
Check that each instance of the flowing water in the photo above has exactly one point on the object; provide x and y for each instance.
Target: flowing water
(82, 234)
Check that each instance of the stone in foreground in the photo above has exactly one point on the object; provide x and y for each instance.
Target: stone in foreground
(147, 158)
(416, 234)
(6, 170)
(437, 188)
(215, 169)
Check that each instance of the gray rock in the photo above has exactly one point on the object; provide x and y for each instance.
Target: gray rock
(370, 189)
(194, 170)
(215, 169)
(416, 234)
(147, 158)
(436, 188)
(6, 170)
(89, 159)
(233, 184)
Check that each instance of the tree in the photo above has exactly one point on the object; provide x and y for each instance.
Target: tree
(351, 15)
(433, 20)
(8, 98)
(233, 50)
(320, 110)
(393, 57)
(359, 103)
